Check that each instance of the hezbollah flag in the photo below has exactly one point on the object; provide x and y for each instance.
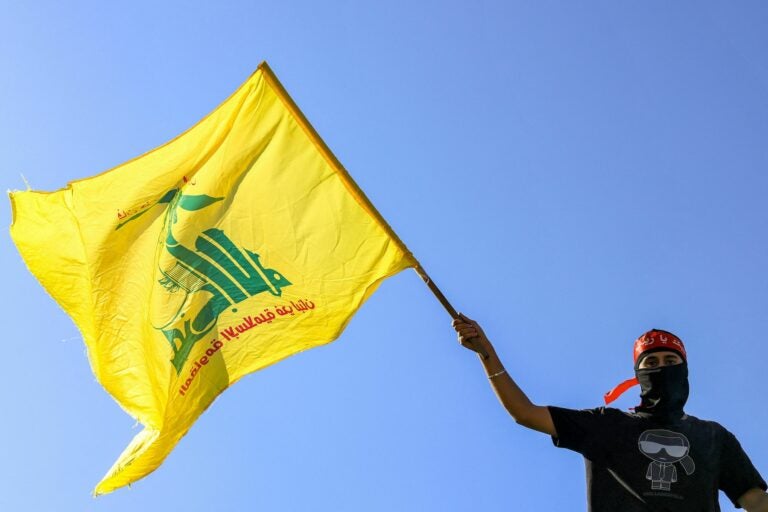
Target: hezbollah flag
(237, 244)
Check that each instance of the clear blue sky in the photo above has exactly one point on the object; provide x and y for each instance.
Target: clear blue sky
(570, 173)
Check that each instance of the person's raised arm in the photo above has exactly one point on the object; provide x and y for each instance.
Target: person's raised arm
(518, 405)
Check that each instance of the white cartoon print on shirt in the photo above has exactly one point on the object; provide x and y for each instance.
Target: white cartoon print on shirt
(665, 448)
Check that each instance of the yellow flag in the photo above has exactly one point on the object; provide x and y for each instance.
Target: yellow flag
(237, 244)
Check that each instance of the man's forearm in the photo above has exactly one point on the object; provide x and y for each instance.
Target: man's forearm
(514, 400)
(510, 395)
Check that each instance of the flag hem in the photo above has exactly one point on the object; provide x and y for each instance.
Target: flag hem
(354, 190)
(149, 152)
(302, 120)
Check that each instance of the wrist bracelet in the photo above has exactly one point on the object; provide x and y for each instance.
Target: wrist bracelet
(503, 371)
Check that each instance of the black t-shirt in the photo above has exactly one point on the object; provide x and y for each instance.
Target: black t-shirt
(676, 465)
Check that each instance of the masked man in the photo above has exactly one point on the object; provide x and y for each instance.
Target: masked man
(657, 458)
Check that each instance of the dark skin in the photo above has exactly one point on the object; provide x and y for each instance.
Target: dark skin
(513, 399)
(537, 417)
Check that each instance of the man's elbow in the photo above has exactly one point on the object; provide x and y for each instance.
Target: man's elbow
(524, 417)
(524, 421)
(536, 418)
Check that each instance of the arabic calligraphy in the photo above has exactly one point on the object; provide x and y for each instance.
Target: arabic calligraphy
(121, 214)
(233, 333)
(137, 211)
(126, 216)
(267, 317)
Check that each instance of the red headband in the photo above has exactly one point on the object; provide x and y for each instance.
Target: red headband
(654, 340)
(658, 340)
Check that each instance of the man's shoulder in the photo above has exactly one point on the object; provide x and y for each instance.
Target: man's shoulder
(618, 414)
(603, 413)
(710, 425)
(696, 419)
(630, 417)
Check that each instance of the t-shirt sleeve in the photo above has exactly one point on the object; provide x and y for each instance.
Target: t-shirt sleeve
(737, 473)
(583, 431)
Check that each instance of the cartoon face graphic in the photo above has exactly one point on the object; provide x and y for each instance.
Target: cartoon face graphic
(665, 448)
(663, 445)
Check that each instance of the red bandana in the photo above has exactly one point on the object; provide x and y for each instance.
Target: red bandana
(658, 340)
(653, 340)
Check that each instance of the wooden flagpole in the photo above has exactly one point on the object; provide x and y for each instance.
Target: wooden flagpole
(354, 189)
(444, 301)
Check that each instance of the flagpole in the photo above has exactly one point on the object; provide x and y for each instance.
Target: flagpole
(444, 301)
(356, 191)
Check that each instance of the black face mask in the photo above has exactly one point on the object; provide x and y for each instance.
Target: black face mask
(663, 391)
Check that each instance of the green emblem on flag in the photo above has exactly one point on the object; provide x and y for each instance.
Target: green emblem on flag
(216, 266)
